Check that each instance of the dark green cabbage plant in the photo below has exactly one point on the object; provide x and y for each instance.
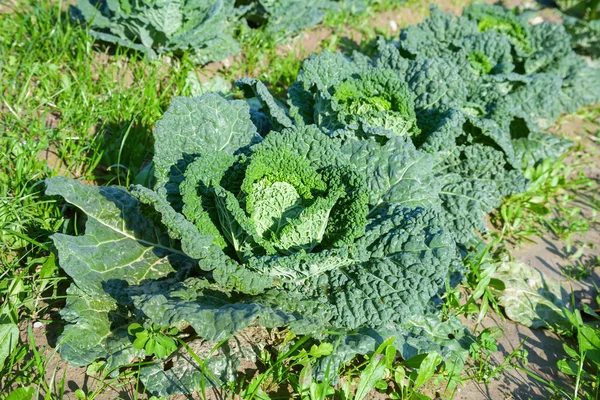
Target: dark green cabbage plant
(155, 27)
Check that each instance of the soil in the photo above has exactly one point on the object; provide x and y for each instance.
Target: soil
(8, 6)
(546, 254)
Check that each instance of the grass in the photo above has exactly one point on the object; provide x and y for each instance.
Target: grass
(70, 106)
(553, 203)
(67, 108)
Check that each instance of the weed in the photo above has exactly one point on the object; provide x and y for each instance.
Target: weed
(481, 350)
(550, 203)
(581, 360)
(581, 265)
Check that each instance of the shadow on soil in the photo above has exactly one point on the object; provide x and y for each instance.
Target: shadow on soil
(544, 351)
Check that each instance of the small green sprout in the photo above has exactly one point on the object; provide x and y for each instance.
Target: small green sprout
(155, 339)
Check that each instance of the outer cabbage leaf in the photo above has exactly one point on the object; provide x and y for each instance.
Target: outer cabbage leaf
(440, 137)
(396, 172)
(487, 132)
(479, 162)
(474, 178)
(465, 204)
(119, 242)
(210, 311)
(539, 146)
(91, 335)
(195, 125)
(436, 85)
(472, 171)
(220, 363)
(325, 70)
(538, 102)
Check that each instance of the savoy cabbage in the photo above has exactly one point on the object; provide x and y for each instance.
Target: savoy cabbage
(287, 229)
(204, 27)
(345, 207)
(582, 20)
(449, 160)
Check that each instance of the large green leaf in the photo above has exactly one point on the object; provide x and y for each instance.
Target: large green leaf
(119, 242)
(120, 247)
(395, 172)
(539, 146)
(436, 85)
(214, 313)
(97, 329)
(9, 338)
(199, 124)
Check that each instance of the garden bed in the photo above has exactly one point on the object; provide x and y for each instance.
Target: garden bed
(104, 151)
